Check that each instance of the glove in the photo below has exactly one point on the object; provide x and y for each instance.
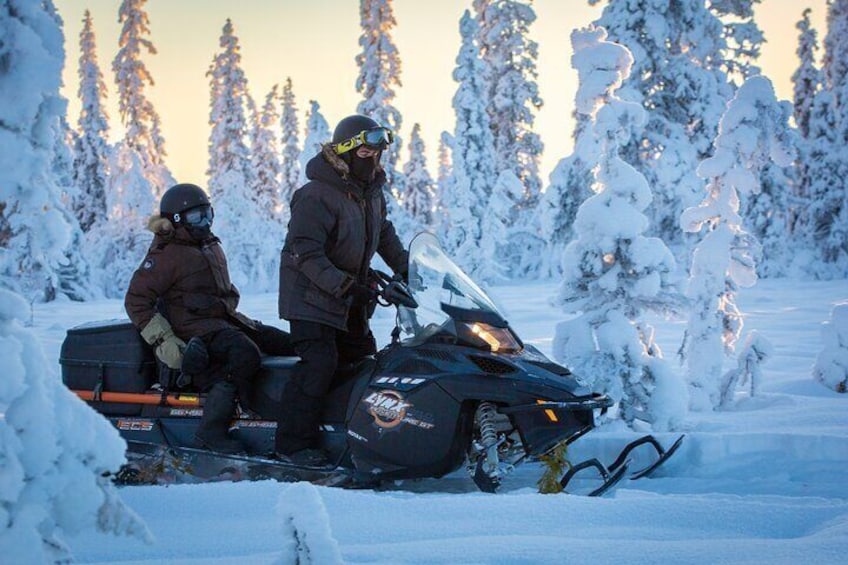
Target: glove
(361, 294)
(159, 334)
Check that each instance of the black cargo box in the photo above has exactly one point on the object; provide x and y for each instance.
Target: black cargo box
(108, 356)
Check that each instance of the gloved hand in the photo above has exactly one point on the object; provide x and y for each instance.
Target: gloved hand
(361, 294)
(159, 334)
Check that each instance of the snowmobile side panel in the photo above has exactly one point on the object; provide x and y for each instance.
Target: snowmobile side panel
(414, 434)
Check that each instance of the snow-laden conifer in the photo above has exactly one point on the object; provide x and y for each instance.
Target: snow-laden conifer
(496, 227)
(831, 368)
(143, 126)
(420, 191)
(827, 216)
(679, 77)
(748, 371)
(265, 155)
(290, 128)
(807, 78)
(569, 187)
(473, 153)
(252, 262)
(57, 453)
(612, 273)
(91, 148)
(512, 98)
(379, 76)
(317, 133)
(34, 228)
(807, 81)
(752, 132)
(443, 179)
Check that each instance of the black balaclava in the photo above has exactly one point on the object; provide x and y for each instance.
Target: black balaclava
(364, 169)
(198, 233)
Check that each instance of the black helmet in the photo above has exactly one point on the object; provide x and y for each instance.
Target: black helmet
(351, 126)
(180, 198)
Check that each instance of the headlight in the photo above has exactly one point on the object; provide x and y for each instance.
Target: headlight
(498, 340)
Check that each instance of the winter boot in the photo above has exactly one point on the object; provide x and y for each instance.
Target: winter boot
(214, 426)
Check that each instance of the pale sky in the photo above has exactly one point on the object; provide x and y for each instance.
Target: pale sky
(315, 41)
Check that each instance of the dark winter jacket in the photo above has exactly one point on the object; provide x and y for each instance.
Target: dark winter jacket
(186, 281)
(336, 227)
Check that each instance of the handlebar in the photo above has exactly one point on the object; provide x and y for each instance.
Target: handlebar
(392, 290)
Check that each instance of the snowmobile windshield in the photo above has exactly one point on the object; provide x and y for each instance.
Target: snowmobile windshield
(444, 293)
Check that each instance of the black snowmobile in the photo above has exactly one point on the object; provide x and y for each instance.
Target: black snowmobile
(455, 386)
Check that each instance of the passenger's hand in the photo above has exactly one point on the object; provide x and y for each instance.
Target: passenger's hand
(169, 348)
(170, 352)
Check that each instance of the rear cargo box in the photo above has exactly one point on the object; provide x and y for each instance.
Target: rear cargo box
(108, 356)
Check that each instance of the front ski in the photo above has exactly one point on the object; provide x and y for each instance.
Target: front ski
(664, 455)
(610, 477)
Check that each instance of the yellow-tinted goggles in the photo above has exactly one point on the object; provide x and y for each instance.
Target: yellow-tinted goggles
(375, 138)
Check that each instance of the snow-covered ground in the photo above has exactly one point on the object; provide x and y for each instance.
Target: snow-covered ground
(763, 482)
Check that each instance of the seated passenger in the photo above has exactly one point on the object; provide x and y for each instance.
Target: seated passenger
(182, 290)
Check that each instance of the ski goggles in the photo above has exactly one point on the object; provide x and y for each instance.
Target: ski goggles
(375, 139)
(200, 216)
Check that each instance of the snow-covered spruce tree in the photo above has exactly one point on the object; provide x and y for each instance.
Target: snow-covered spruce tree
(473, 153)
(831, 368)
(317, 133)
(743, 37)
(828, 189)
(496, 228)
(612, 272)
(509, 56)
(251, 253)
(512, 98)
(807, 78)
(806, 81)
(73, 270)
(265, 180)
(143, 128)
(569, 187)
(290, 162)
(443, 179)
(420, 195)
(91, 148)
(679, 50)
(137, 174)
(752, 132)
(35, 227)
(57, 453)
(379, 75)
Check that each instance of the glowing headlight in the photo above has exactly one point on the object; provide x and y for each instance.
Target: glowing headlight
(499, 340)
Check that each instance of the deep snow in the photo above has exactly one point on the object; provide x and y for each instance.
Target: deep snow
(762, 482)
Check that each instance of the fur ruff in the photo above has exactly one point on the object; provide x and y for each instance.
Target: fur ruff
(160, 226)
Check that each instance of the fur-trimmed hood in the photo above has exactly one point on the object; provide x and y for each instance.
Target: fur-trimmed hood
(161, 226)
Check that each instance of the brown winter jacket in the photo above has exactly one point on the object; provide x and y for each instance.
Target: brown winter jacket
(187, 281)
(336, 227)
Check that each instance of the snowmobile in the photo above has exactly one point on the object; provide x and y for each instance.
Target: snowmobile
(455, 386)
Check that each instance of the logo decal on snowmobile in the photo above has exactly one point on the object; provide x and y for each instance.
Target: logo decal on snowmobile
(387, 407)
(134, 425)
(148, 264)
(390, 409)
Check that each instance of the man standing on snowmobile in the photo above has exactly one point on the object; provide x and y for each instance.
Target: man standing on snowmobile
(182, 293)
(338, 222)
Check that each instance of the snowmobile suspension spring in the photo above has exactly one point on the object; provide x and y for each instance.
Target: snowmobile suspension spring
(486, 415)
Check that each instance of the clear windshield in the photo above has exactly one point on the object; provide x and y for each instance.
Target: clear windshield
(437, 284)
